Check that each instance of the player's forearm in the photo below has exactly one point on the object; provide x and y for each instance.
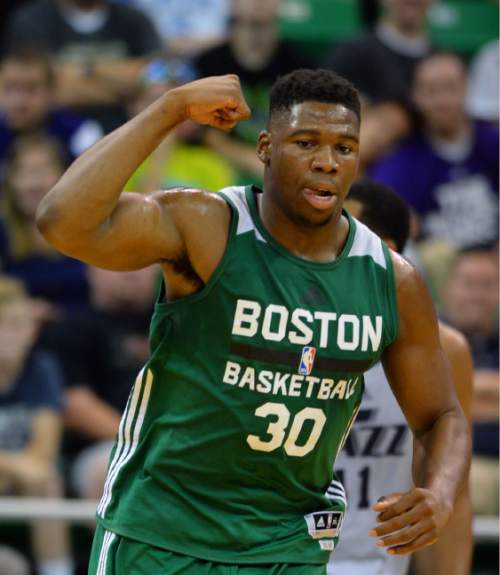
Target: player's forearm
(442, 458)
(452, 554)
(86, 195)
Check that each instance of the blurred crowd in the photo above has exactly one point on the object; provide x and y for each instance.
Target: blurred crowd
(73, 338)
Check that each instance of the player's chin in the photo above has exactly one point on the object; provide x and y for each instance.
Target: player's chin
(317, 218)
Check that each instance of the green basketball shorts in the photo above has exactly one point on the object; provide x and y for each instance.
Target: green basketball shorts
(113, 554)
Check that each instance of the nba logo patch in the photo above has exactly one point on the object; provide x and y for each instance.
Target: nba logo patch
(307, 360)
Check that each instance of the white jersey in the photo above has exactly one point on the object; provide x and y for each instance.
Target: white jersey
(375, 461)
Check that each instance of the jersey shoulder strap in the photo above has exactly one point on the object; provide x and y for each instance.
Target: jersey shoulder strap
(236, 197)
(367, 243)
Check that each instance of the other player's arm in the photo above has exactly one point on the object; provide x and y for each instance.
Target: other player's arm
(452, 554)
(419, 375)
(87, 216)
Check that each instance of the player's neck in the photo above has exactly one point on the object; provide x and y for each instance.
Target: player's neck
(322, 243)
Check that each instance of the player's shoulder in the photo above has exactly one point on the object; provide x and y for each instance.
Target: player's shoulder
(405, 273)
(452, 340)
(190, 200)
(415, 306)
(194, 211)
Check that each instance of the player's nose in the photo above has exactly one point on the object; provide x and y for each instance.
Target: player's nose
(325, 160)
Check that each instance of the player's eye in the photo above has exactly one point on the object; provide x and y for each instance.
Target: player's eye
(304, 144)
(344, 149)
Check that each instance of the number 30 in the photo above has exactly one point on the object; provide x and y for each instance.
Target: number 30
(277, 429)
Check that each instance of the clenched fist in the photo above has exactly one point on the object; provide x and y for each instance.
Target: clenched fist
(216, 101)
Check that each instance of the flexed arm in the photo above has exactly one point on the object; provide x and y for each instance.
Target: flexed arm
(87, 216)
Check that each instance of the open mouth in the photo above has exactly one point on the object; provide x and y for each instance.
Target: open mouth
(319, 199)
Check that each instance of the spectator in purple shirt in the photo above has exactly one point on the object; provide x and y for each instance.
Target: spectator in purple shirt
(448, 170)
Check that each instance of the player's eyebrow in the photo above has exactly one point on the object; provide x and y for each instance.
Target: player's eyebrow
(313, 132)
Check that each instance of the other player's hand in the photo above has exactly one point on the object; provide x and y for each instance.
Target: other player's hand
(409, 521)
(215, 101)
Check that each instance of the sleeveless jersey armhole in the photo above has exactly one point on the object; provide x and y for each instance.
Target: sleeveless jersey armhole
(161, 303)
(392, 295)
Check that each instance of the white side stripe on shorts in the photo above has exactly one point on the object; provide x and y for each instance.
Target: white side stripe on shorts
(109, 537)
(120, 459)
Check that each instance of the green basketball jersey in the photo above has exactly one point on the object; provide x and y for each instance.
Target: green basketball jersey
(226, 447)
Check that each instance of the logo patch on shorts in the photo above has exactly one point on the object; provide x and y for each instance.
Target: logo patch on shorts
(327, 544)
(307, 360)
(324, 523)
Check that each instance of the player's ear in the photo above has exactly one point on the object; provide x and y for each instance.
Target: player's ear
(264, 147)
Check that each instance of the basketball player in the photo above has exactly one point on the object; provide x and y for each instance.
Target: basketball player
(377, 456)
(274, 304)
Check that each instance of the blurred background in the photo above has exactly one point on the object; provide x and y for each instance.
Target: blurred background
(72, 338)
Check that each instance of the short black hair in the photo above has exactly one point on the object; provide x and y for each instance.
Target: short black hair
(305, 85)
(383, 211)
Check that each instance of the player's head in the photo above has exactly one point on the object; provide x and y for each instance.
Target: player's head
(439, 92)
(406, 15)
(470, 293)
(254, 32)
(382, 210)
(311, 146)
(27, 80)
(306, 85)
(18, 329)
(123, 292)
(34, 165)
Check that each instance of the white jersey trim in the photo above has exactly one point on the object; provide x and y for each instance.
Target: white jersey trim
(245, 223)
(366, 243)
(123, 455)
